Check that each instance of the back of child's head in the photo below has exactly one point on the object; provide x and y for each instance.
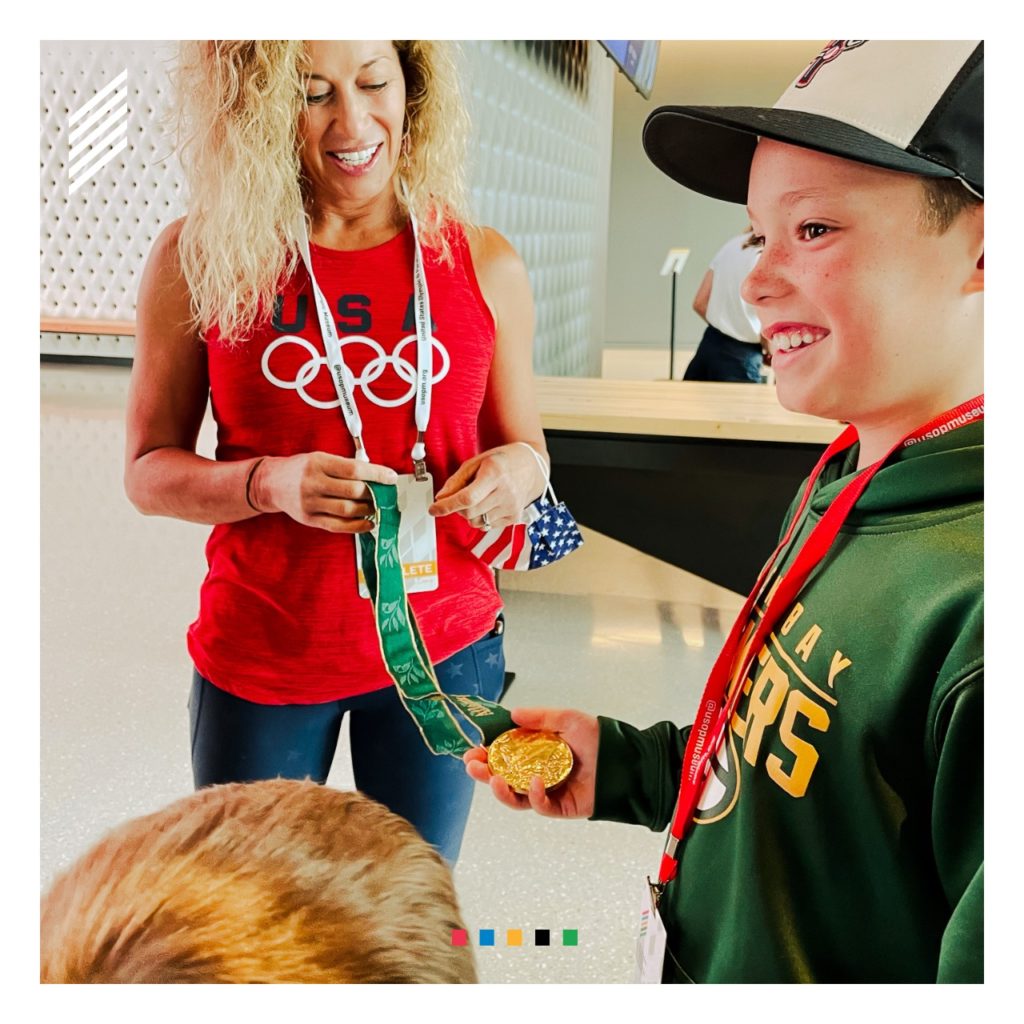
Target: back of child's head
(275, 881)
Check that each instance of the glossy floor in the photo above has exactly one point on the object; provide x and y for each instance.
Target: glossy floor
(609, 631)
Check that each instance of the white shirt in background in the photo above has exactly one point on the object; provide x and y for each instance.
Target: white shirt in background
(726, 310)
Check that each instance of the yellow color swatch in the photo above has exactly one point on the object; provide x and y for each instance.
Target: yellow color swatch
(514, 937)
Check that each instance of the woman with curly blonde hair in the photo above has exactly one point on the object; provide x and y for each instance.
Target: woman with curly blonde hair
(328, 295)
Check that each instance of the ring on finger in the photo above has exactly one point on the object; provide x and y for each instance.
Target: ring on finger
(485, 521)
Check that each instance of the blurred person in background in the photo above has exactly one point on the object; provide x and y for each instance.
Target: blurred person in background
(730, 348)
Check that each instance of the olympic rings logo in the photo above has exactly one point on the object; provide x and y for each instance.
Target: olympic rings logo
(372, 372)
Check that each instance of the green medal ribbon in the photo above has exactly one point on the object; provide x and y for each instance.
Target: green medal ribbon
(405, 655)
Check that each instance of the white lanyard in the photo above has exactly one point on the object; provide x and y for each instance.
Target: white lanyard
(341, 375)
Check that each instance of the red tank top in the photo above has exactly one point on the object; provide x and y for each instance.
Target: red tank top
(280, 618)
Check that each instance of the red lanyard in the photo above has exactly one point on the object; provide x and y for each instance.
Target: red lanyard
(718, 703)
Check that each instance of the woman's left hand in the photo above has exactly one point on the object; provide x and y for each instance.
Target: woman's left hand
(498, 484)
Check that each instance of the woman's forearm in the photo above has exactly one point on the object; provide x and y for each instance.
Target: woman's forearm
(180, 484)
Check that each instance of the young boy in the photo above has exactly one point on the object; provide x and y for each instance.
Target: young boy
(829, 794)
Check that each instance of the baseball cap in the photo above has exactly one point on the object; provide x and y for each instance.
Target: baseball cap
(915, 106)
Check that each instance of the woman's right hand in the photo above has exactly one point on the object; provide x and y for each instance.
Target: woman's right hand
(319, 489)
(574, 798)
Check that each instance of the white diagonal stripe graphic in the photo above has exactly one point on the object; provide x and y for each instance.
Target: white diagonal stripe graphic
(80, 147)
(119, 97)
(101, 132)
(109, 140)
(110, 86)
(95, 167)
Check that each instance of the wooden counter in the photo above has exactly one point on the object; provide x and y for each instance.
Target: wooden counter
(740, 412)
(698, 475)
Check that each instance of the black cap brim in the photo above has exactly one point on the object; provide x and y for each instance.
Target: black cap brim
(710, 149)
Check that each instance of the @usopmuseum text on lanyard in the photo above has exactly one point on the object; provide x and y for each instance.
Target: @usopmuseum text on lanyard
(725, 683)
(417, 542)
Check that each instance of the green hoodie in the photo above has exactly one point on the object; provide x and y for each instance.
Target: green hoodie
(839, 837)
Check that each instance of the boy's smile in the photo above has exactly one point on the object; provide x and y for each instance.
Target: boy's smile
(869, 317)
(784, 337)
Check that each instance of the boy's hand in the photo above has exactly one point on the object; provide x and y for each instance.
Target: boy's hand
(574, 798)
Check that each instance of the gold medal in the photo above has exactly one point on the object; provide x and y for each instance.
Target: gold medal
(519, 754)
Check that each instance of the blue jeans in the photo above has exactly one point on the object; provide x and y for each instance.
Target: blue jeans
(235, 740)
(723, 358)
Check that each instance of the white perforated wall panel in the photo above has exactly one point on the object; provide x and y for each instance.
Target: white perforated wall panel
(91, 346)
(94, 241)
(540, 175)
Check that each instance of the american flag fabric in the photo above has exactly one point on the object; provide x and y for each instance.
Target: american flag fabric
(548, 533)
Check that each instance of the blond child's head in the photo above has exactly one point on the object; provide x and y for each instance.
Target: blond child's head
(277, 881)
